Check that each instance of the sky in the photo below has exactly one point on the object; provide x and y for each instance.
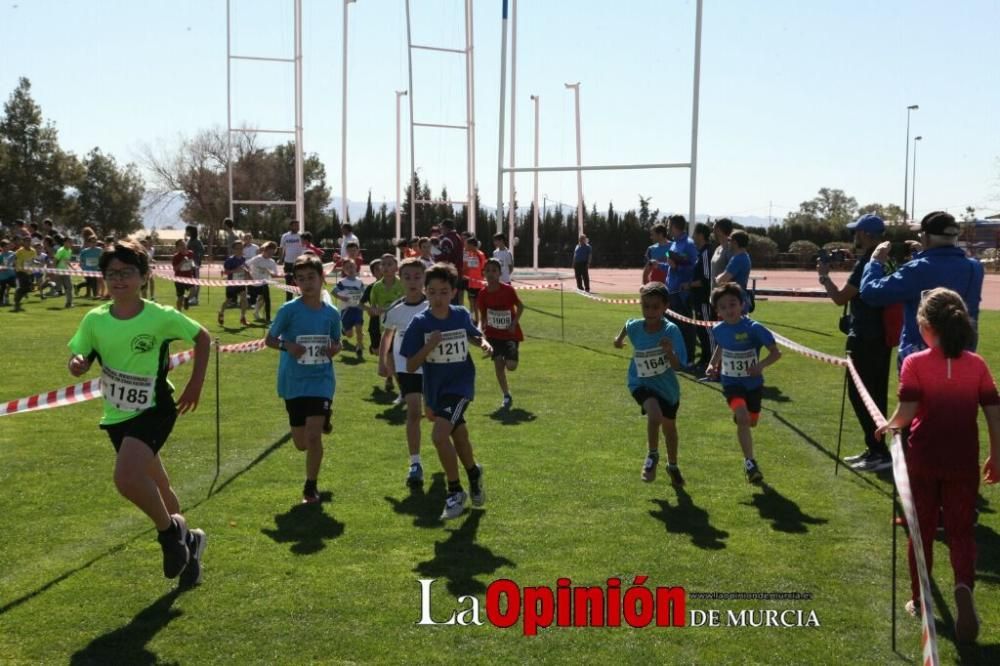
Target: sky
(795, 95)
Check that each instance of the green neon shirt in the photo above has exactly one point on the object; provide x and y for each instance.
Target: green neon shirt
(134, 355)
(63, 257)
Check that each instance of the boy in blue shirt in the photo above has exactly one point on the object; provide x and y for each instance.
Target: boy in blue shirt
(659, 351)
(307, 332)
(738, 268)
(437, 342)
(8, 280)
(738, 341)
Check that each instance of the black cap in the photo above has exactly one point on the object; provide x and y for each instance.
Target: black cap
(939, 223)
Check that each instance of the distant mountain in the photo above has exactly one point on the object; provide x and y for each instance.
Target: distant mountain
(160, 210)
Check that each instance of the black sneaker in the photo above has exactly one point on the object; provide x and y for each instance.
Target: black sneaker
(857, 458)
(196, 546)
(477, 493)
(674, 472)
(310, 494)
(507, 402)
(754, 475)
(875, 462)
(174, 544)
(415, 477)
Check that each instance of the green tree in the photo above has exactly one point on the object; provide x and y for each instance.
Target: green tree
(109, 195)
(34, 170)
(831, 207)
(890, 213)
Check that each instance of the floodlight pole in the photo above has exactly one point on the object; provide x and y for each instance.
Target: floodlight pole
(503, 100)
(343, 124)
(694, 115)
(575, 87)
(534, 196)
(913, 190)
(512, 207)
(399, 223)
(229, 108)
(470, 114)
(300, 194)
(906, 170)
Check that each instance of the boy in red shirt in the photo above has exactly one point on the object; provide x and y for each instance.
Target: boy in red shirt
(500, 312)
(472, 270)
(184, 266)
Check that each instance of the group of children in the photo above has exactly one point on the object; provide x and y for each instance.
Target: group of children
(426, 349)
(659, 351)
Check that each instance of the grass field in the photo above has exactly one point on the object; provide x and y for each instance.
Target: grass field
(80, 572)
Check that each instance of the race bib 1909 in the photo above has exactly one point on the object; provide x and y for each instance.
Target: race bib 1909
(316, 349)
(499, 319)
(650, 362)
(738, 363)
(453, 348)
(127, 392)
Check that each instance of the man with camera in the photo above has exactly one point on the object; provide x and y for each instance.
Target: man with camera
(941, 264)
(862, 322)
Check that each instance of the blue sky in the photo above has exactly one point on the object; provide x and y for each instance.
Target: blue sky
(795, 95)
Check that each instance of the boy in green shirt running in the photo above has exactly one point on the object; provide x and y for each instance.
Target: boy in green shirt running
(385, 292)
(63, 256)
(130, 339)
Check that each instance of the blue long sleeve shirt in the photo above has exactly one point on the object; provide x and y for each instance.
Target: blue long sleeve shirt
(935, 267)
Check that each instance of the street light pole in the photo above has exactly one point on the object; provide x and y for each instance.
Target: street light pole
(534, 196)
(343, 125)
(399, 219)
(575, 87)
(913, 194)
(906, 171)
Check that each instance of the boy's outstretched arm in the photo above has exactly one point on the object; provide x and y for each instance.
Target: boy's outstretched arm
(619, 341)
(188, 402)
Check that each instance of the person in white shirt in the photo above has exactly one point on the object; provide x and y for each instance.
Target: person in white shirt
(291, 247)
(348, 237)
(262, 267)
(250, 249)
(504, 256)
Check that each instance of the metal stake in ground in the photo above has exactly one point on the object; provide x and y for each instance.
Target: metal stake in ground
(562, 312)
(218, 420)
(840, 429)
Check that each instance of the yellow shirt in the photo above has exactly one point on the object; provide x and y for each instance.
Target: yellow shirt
(22, 258)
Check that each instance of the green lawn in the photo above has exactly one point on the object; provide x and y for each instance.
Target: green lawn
(80, 578)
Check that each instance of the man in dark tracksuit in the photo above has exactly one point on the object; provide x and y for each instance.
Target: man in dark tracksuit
(701, 288)
(865, 343)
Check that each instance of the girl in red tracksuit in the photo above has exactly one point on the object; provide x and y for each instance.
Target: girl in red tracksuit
(940, 390)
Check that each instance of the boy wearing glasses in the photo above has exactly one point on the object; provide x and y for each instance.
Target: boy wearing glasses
(129, 337)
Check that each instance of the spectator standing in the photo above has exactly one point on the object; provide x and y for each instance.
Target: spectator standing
(581, 264)
(722, 229)
(701, 289)
(655, 269)
(452, 249)
(197, 249)
(865, 343)
(290, 247)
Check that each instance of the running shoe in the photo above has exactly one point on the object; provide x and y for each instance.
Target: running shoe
(196, 546)
(174, 545)
(415, 477)
(649, 468)
(454, 506)
(754, 475)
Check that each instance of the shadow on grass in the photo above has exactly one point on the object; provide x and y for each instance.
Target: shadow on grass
(253, 463)
(784, 514)
(688, 518)
(127, 644)
(578, 346)
(513, 416)
(424, 506)
(380, 396)
(119, 547)
(460, 559)
(769, 324)
(860, 476)
(306, 526)
(351, 359)
(774, 394)
(544, 312)
(393, 414)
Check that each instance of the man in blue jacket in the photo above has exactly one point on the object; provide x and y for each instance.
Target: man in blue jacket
(682, 255)
(942, 264)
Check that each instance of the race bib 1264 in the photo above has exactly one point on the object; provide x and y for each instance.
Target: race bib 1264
(317, 347)
(453, 348)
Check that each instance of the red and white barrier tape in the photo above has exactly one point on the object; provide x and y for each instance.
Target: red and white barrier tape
(900, 473)
(531, 285)
(90, 389)
(615, 301)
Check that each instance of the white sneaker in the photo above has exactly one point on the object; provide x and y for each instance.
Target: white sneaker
(454, 506)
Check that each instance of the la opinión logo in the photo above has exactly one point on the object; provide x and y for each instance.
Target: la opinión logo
(565, 606)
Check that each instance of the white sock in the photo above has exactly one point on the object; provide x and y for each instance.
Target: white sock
(415, 459)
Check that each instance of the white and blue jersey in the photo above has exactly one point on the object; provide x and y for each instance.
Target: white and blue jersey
(649, 367)
(740, 345)
(310, 376)
(448, 369)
